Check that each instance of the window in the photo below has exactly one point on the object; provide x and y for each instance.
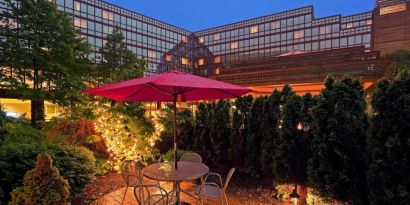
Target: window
(184, 61)
(217, 59)
(298, 34)
(369, 22)
(201, 39)
(349, 25)
(152, 54)
(168, 58)
(254, 29)
(234, 45)
(325, 30)
(201, 61)
(77, 6)
(217, 71)
(275, 25)
(108, 15)
(185, 39)
(217, 37)
(80, 23)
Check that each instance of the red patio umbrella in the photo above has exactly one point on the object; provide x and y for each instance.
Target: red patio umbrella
(169, 87)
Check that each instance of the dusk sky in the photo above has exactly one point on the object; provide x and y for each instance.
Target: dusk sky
(196, 15)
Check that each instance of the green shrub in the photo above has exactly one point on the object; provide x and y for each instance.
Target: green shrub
(19, 133)
(42, 185)
(76, 164)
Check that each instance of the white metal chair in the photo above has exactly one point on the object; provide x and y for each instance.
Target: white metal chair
(131, 172)
(191, 157)
(212, 189)
(152, 194)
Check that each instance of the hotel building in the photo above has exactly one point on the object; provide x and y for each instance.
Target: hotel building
(291, 47)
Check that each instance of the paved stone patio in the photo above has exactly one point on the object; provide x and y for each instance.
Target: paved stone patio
(115, 197)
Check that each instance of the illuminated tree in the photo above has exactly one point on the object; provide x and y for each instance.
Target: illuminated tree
(127, 134)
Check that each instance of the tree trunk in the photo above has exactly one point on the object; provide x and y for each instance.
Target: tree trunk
(37, 112)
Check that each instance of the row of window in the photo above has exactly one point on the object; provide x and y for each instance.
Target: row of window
(358, 40)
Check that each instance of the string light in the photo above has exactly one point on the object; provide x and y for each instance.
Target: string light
(123, 142)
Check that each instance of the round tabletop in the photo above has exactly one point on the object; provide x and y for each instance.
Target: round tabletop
(165, 171)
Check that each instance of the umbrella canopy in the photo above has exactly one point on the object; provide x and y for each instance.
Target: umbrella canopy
(169, 87)
(164, 87)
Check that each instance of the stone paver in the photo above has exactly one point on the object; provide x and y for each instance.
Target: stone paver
(115, 197)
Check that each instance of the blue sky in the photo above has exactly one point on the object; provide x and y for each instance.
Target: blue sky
(196, 15)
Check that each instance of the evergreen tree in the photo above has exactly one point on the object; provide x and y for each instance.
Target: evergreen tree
(43, 185)
(286, 160)
(401, 64)
(118, 63)
(220, 131)
(337, 167)
(43, 54)
(388, 143)
(185, 130)
(254, 136)
(239, 128)
(202, 141)
(270, 131)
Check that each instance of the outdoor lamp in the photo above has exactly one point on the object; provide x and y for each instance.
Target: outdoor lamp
(294, 195)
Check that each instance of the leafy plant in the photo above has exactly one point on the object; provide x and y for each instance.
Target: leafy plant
(43, 185)
(47, 57)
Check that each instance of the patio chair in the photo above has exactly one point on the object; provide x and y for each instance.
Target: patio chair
(131, 173)
(214, 190)
(152, 194)
(191, 157)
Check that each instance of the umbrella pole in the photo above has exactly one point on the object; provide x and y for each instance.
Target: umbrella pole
(175, 132)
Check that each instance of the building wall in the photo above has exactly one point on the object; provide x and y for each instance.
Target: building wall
(392, 26)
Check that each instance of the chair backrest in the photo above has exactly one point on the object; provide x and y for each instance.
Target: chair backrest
(191, 157)
(131, 169)
(228, 178)
(151, 194)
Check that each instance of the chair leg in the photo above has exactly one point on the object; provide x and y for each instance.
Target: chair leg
(125, 193)
(226, 199)
(222, 200)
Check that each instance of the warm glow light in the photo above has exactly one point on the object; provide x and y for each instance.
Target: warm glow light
(184, 61)
(299, 34)
(217, 71)
(234, 45)
(201, 61)
(201, 39)
(217, 59)
(168, 58)
(254, 29)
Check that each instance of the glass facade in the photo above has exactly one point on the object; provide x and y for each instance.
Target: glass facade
(295, 30)
(165, 46)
